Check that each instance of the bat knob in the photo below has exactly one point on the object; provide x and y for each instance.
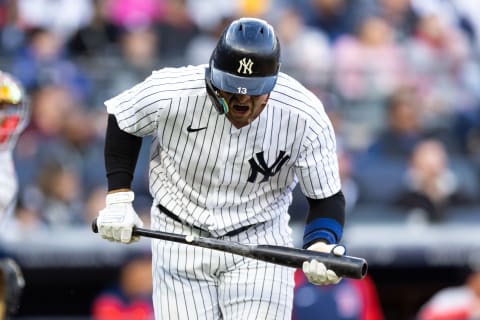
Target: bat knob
(94, 226)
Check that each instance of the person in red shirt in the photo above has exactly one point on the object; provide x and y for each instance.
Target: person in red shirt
(350, 299)
(130, 298)
(456, 302)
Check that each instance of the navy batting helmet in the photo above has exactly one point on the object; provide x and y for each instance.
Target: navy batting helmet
(246, 59)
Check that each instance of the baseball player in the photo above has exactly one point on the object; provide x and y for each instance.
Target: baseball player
(231, 139)
(14, 115)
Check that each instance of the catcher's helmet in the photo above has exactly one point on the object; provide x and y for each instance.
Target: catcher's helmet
(246, 59)
(14, 110)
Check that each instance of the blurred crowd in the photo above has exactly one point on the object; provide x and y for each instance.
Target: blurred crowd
(400, 80)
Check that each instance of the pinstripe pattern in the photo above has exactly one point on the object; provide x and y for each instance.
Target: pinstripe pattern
(203, 178)
(196, 283)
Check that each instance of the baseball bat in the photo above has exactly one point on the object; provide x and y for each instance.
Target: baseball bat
(344, 266)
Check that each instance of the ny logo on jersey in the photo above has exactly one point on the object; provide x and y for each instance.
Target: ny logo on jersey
(245, 65)
(263, 168)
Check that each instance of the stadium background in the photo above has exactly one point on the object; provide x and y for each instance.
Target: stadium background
(391, 73)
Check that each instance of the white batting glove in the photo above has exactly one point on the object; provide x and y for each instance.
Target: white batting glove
(315, 271)
(115, 222)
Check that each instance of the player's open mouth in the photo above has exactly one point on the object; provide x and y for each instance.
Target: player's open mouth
(240, 108)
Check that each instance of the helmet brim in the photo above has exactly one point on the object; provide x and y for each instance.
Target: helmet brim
(252, 86)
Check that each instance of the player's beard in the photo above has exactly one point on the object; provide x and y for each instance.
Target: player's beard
(256, 109)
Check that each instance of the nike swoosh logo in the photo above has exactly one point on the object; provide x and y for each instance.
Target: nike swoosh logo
(190, 129)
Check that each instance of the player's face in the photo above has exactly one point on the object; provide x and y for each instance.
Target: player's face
(243, 109)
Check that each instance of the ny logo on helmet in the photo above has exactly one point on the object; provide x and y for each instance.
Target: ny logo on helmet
(246, 65)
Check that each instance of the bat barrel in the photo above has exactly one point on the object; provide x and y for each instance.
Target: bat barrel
(344, 266)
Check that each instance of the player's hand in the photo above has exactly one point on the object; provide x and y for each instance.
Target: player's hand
(115, 222)
(315, 271)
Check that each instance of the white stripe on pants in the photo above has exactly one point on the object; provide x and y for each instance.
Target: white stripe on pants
(197, 283)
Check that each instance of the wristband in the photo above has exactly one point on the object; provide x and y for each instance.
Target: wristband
(120, 197)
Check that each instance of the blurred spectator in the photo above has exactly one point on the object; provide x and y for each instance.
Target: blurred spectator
(467, 134)
(439, 54)
(403, 127)
(12, 31)
(348, 300)
(400, 15)
(460, 302)
(306, 53)
(461, 14)
(336, 17)
(50, 106)
(209, 14)
(200, 48)
(175, 30)
(130, 297)
(77, 147)
(61, 17)
(468, 13)
(44, 62)
(138, 57)
(431, 186)
(59, 154)
(128, 14)
(370, 65)
(57, 195)
(368, 68)
(98, 38)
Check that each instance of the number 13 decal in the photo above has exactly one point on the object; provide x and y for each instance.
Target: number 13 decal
(242, 90)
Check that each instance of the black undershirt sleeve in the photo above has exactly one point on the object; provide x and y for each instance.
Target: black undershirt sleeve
(332, 207)
(121, 154)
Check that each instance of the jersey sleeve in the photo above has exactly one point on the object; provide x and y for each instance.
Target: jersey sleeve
(317, 165)
(136, 109)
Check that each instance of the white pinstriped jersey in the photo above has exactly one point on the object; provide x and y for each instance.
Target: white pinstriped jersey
(8, 185)
(215, 176)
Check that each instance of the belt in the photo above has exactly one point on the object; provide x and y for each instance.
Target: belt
(173, 216)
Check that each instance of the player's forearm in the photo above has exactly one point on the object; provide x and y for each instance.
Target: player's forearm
(121, 154)
(325, 220)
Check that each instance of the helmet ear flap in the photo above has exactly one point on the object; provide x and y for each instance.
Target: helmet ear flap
(218, 101)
